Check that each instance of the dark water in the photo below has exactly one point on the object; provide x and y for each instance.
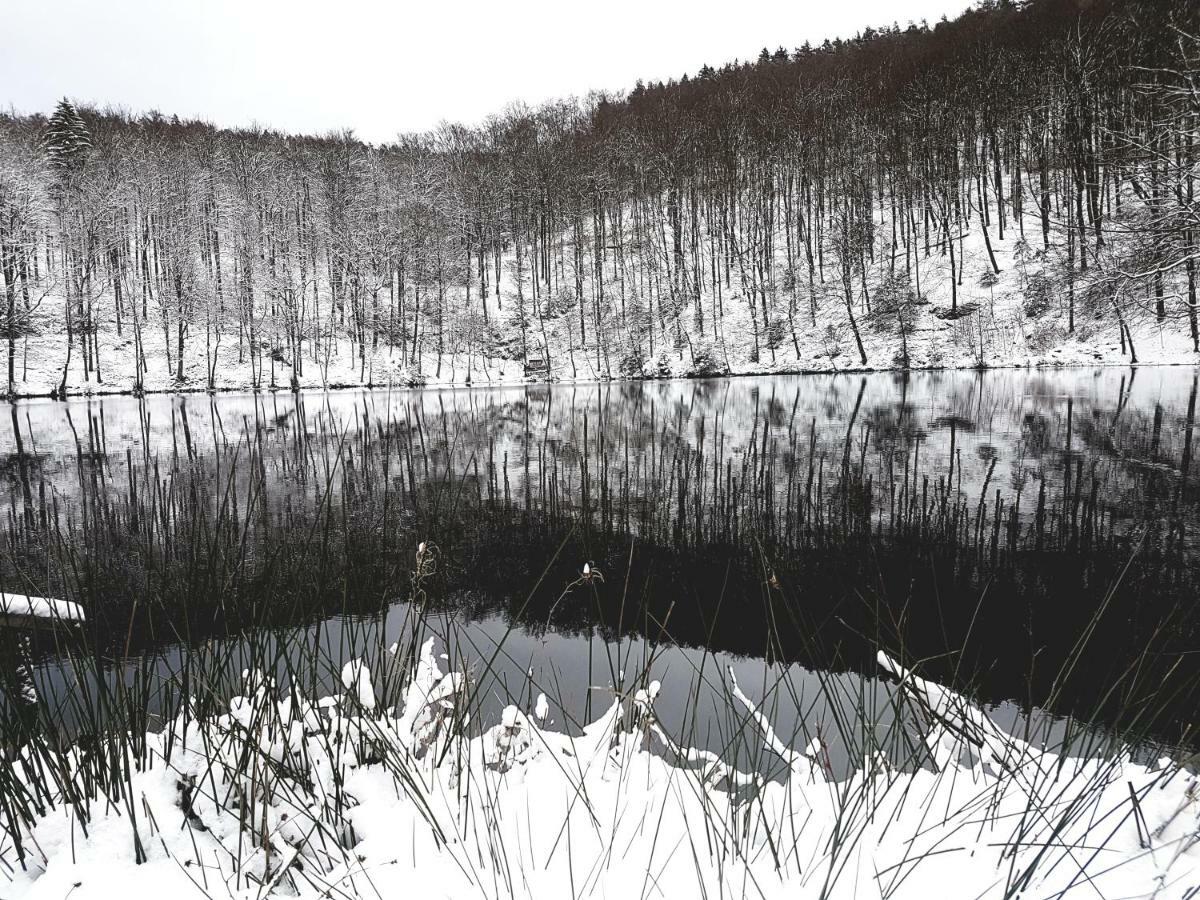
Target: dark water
(1030, 536)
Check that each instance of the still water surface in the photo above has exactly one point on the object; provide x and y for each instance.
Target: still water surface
(1030, 534)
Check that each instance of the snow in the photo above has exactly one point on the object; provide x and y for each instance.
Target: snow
(356, 678)
(993, 330)
(25, 607)
(362, 801)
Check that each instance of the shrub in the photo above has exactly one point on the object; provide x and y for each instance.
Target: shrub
(776, 333)
(633, 364)
(1037, 296)
(1044, 336)
(662, 364)
(413, 377)
(707, 362)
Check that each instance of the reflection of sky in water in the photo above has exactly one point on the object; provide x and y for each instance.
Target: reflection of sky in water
(576, 673)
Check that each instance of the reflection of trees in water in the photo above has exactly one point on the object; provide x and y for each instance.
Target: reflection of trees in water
(1037, 435)
(894, 428)
(936, 422)
(949, 426)
(889, 517)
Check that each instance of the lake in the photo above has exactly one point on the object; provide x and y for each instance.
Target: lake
(1029, 536)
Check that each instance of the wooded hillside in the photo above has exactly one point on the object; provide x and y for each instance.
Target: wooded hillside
(981, 191)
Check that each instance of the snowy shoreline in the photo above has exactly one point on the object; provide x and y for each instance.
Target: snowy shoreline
(124, 390)
(280, 796)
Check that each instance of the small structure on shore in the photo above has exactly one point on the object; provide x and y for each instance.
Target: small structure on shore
(537, 363)
(536, 366)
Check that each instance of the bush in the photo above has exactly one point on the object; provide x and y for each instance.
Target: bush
(1037, 296)
(895, 306)
(662, 364)
(633, 364)
(707, 362)
(988, 279)
(831, 340)
(776, 334)
(413, 377)
(1045, 336)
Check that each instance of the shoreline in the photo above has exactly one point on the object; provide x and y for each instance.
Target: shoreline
(340, 387)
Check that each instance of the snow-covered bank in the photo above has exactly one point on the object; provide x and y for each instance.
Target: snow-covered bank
(1165, 347)
(21, 607)
(964, 315)
(343, 797)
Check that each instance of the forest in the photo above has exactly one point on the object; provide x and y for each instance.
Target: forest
(1010, 185)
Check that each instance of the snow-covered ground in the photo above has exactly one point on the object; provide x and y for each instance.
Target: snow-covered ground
(344, 797)
(23, 606)
(995, 326)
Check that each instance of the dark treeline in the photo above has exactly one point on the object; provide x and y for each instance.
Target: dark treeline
(759, 208)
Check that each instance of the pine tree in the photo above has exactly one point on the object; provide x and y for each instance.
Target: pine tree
(67, 139)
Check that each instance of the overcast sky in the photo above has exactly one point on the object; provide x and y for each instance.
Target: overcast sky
(380, 67)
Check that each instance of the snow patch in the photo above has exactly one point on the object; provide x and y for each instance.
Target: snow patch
(40, 608)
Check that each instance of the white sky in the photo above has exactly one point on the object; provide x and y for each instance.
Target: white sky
(383, 67)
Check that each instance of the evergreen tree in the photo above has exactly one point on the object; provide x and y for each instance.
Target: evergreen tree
(68, 140)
